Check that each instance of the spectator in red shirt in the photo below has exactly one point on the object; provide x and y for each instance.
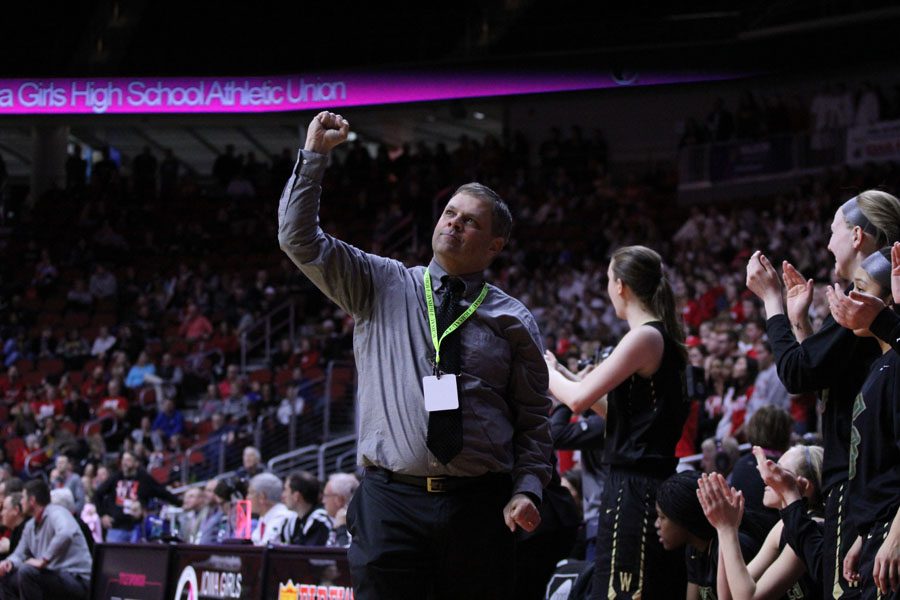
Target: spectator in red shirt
(114, 403)
(232, 381)
(94, 387)
(12, 387)
(194, 326)
(50, 405)
(225, 340)
(32, 446)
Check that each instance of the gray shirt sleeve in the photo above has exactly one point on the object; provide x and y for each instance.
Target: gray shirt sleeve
(341, 271)
(528, 388)
(23, 549)
(77, 488)
(65, 531)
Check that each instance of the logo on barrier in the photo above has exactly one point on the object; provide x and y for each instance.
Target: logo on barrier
(294, 591)
(187, 588)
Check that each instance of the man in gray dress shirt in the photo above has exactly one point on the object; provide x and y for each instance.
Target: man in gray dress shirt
(424, 525)
(52, 559)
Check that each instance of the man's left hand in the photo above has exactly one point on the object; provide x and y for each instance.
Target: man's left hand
(521, 511)
(38, 563)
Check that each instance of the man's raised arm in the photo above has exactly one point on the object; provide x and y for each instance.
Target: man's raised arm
(340, 271)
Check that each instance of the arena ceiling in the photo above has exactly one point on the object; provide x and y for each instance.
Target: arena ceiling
(169, 38)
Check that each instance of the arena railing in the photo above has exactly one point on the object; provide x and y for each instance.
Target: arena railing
(745, 161)
(332, 455)
(88, 428)
(280, 319)
(694, 459)
(305, 458)
(30, 458)
(340, 398)
(198, 456)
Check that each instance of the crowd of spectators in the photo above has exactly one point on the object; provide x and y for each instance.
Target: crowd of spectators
(755, 116)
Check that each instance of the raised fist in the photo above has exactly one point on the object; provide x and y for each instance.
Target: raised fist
(326, 131)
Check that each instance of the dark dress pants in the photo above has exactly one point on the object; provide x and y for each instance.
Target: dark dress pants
(31, 583)
(412, 544)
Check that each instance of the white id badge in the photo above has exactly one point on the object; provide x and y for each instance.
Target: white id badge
(440, 394)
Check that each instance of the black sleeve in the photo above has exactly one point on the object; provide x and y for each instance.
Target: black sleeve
(886, 327)
(804, 536)
(586, 433)
(86, 532)
(817, 362)
(317, 535)
(100, 496)
(342, 536)
(150, 488)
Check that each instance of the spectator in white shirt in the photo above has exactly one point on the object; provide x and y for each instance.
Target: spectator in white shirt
(264, 493)
(103, 342)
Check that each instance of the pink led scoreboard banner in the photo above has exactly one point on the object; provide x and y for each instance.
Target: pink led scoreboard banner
(291, 93)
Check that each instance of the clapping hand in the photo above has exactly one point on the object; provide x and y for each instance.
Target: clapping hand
(722, 504)
(799, 292)
(551, 360)
(762, 279)
(784, 483)
(856, 311)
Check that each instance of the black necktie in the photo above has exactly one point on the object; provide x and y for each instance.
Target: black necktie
(445, 426)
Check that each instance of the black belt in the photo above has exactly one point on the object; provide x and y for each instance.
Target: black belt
(441, 484)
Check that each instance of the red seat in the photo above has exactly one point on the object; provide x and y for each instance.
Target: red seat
(77, 320)
(261, 375)
(161, 473)
(92, 364)
(56, 304)
(33, 378)
(13, 445)
(50, 366)
(104, 318)
(197, 458)
(147, 397)
(203, 429)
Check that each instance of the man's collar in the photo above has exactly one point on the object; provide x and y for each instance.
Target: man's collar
(472, 281)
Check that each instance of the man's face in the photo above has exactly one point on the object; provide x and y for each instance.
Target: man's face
(331, 501)
(62, 465)
(129, 464)
(255, 499)
(763, 356)
(27, 504)
(462, 241)
(210, 492)
(191, 499)
(288, 496)
(10, 513)
(250, 460)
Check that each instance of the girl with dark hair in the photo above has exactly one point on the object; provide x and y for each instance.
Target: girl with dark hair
(874, 469)
(680, 523)
(640, 389)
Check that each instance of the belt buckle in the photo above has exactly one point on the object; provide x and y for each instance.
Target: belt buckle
(435, 484)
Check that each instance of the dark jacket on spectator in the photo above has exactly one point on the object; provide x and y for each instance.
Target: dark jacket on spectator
(117, 491)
